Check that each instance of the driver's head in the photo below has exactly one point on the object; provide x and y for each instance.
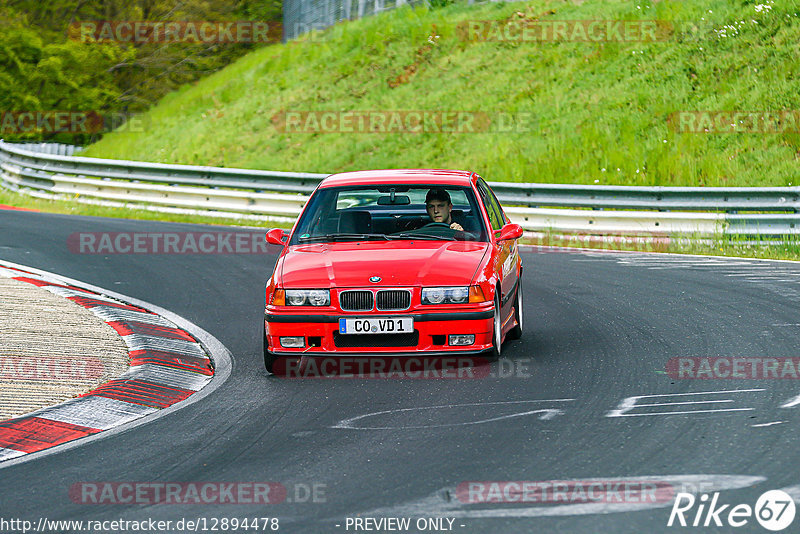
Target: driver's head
(438, 205)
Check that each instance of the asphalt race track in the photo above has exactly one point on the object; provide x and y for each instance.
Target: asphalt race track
(601, 328)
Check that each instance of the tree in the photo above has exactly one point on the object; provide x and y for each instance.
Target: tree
(45, 67)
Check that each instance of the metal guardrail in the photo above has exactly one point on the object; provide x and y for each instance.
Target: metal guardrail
(59, 149)
(301, 16)
(212, 191)
(218, 191)
(728, 199)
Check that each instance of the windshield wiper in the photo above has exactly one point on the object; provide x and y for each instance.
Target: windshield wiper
(421, 236)
(341, 237)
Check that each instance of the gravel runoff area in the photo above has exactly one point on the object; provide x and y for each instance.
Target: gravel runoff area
(51, 349)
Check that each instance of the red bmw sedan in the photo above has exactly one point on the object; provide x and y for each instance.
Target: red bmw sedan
(395, 263)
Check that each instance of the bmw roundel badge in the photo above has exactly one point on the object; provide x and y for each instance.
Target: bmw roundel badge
(374, 279)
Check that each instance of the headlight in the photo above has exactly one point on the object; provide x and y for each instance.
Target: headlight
(308, 297)
(445, 295)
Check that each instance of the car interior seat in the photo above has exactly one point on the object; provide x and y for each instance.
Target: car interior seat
(467, 221)
(355, 222)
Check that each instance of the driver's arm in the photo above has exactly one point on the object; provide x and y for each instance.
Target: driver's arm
(456, 226)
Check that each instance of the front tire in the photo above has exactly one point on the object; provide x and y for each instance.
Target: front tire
(516, 332)
(271, 359)
(497, 326)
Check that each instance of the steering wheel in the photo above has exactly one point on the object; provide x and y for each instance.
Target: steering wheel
(437, 225)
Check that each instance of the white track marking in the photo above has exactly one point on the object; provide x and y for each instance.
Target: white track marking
(792, 403)
(143, 342)
(757, 273)
(11, 273)
(768, 424)
(683, 412)
(794, 492)
(766, 279)
(108, 313)
(546, 414)
(95, 411)
(168, 376)
(630, 403)
(686, 402)
(781, 278)
(7, 454)
(704, 392)
(66, 293)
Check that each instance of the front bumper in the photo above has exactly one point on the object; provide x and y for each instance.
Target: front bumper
(431, 331)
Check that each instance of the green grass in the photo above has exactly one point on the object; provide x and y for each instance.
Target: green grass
(787, 248)
(778, 248)
(598, 111)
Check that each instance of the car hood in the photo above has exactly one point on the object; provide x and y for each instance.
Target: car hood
(398, 263)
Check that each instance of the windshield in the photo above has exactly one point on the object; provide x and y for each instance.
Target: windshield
(391, 212)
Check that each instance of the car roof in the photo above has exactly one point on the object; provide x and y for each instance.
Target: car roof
(402, 176)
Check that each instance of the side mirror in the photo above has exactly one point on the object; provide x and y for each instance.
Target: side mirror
(509, 231)
(277, 236)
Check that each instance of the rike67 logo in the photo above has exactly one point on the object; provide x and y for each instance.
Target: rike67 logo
(774, 510)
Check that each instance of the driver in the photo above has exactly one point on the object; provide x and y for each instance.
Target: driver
(439, 207)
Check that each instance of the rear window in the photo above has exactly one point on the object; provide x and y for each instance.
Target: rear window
(369, 197)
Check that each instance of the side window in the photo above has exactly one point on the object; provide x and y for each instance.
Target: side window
(496, 204)
(492, 206)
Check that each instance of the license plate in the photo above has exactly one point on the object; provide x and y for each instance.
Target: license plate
(376, 325)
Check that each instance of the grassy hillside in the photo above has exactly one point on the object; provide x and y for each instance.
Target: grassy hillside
(598, 111)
